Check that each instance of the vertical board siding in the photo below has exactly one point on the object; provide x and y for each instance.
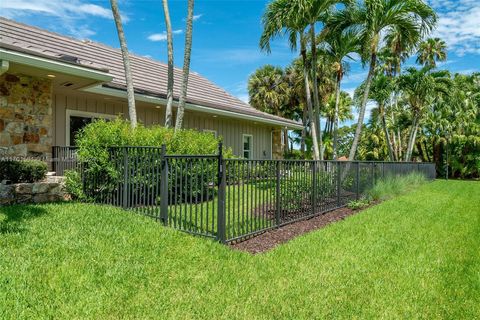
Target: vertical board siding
(231, 130)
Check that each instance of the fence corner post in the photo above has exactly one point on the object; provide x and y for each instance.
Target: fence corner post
(221, 222)
(278, 203)
(164, 186)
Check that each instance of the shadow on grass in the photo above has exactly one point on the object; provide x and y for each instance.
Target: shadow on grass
(15, 217)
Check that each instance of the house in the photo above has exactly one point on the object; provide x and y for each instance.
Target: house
(52, 85)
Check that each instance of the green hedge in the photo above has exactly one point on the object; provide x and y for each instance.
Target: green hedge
(102, 173)
(18, 171)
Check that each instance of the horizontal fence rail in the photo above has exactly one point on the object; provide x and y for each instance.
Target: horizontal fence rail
(230, 199)
(61, 159)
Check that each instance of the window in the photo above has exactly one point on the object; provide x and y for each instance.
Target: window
(213, 132)
(247, 146)
(76, 120)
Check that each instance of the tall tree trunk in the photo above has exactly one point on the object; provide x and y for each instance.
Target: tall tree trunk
(168, 110)
(363, 106)
(316, 99)
(313, 129)
(285, 138)
(411, 139)
(429, 159)
(186, 67)
(385, 131)
(400, 146)
(395, 145)
(335, 117)
(132, 112)
(304, 132)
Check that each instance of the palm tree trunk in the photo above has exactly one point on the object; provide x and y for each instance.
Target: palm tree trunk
(316, 99)
(132, 112)
(411, 139)
(387, 135)
(335, 118)
(304, 132)
(285, 138)
(395, 146)
(363, 106)
(186, 67)
(168, 110)
(313, 124)
(400, 146)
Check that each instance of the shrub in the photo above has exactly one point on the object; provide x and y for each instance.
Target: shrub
(296, 187)
(358, 204)
(73, 185)
(17, 171)
(104, 166)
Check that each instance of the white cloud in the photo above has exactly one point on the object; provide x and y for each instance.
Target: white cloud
(244, 97)
(162, 36)
(72, 15)
(458, 24)
(195, 17)
(355, 78)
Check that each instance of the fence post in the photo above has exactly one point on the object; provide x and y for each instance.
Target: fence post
(358, 180)
(339, 179)
(164, 186)
(278, 195)
(314, 187)
(221, 222)
(125, 178)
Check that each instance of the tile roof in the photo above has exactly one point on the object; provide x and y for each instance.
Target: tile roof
(149, 76)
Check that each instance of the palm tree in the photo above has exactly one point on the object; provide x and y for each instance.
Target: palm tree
(432, 50)
(168, 110)
(374, 20)
(420, 87)
(132, 112)
(381, 91)
(280, 18)
(269, 91)
(339, 46)
(313, 11)
(186, 67)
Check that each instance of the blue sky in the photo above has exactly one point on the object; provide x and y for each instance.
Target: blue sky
(226, 33)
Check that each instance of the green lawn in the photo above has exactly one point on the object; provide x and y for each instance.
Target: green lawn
(416, 256)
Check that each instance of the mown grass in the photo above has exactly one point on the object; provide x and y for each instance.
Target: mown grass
(415, 256)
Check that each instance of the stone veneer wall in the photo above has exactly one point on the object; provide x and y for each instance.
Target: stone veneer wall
(25, 116)
(50, 190)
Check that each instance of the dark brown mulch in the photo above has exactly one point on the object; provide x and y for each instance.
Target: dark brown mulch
(270, 239)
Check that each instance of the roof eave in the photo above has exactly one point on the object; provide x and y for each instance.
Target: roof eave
(54, 65)
(191, 106)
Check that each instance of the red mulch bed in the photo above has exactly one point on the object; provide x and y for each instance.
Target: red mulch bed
(270, 239)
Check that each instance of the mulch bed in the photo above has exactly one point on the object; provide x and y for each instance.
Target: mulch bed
(270, 239)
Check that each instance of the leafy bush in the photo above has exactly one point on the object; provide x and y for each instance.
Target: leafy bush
(105, 166)
(392, 186)
(73, 185)
(296, 187)
(23, 170)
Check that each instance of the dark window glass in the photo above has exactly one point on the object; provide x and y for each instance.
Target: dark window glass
(76, 124)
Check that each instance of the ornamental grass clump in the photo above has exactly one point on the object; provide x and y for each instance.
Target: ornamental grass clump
(392, 186)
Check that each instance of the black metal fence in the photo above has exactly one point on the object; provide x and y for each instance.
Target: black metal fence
(231, 199)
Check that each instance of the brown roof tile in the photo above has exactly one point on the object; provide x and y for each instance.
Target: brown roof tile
(149, 76)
